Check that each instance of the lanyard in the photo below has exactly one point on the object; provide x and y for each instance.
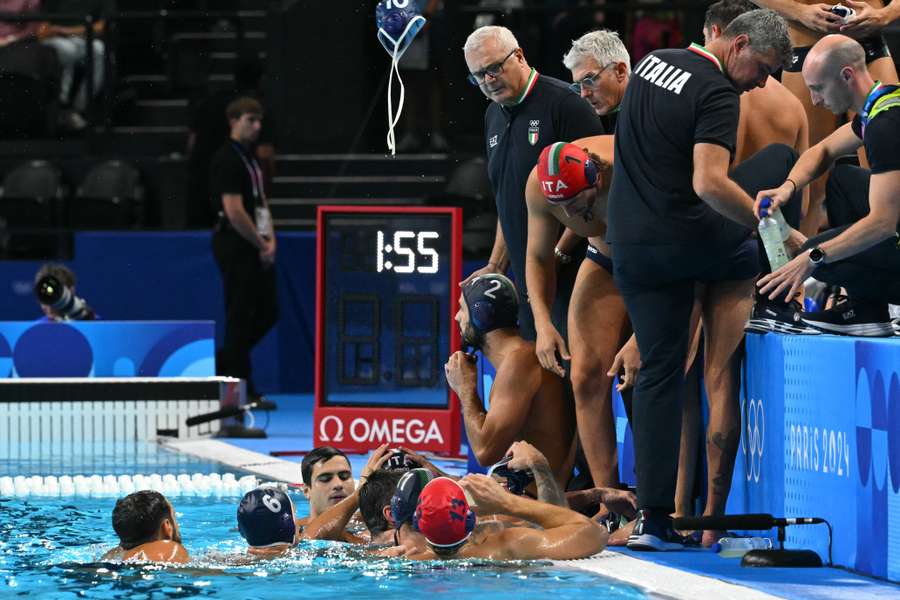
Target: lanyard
(256, 176)
(878, 90)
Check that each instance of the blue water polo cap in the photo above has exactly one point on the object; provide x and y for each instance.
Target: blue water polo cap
(492, 301)
(406, 496)
(266, 517)
(398, 22)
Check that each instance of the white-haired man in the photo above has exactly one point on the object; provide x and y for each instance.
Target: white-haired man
(528, 111)
(600, 67)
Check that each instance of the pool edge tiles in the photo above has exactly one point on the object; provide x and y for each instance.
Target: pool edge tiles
(262, 465)
(659, 580)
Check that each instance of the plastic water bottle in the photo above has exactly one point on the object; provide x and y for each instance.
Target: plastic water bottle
(771, 236)
(735, 547)
(783, 227)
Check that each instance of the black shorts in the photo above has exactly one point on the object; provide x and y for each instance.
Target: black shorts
(599, 258)
(874, 46)
(741, 263)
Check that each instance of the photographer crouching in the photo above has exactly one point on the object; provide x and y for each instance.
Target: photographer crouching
(54, 288)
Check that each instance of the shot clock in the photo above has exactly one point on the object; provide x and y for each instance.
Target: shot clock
(387, 292)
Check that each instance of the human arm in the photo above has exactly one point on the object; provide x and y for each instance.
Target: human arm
(499, 260)
(565, 534)
(233, 205)
(540, 276)
(525, 457)
(880, 224)
(491, 433)
(713, 186)
(817, 17)
(811, 164)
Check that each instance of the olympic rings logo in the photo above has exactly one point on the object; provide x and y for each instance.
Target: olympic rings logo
(753, 440)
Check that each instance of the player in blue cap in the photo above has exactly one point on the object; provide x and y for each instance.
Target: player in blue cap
(527, 402)
(266, 520)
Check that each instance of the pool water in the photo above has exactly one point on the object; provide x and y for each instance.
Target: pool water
(50, 548)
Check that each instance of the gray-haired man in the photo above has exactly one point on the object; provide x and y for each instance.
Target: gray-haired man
(676, 218)
(600, 68)
(528, 111)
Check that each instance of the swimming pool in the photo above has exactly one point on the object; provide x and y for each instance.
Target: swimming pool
(49, 548)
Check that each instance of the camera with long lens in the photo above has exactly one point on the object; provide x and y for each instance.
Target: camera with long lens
(51, 292)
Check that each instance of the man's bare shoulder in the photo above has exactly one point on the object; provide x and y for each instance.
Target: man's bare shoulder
(774, 99)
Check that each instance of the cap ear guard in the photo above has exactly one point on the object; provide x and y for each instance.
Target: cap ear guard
(590, 172)
(481, 314)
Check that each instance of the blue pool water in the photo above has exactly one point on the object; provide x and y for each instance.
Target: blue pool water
(49, 548)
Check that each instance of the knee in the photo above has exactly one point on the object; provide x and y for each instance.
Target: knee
(588, 381)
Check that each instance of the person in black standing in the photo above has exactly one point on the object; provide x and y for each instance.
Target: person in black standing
(243, 242)
(528, 111)
(676, 218)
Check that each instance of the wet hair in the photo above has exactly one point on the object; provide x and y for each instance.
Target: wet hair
(244, 105)
(603, 45)
(723, 12)
(137, 517)
(374, 495)
(62, 273)
(766, 30)
(320, 454)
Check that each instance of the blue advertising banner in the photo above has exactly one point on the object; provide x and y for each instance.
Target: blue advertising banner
(821, 437)
(107, 349)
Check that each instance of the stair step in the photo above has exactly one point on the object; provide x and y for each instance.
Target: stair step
(365, 164)
(370, 186)
(166, 113)
(301, 212)
(221, 41)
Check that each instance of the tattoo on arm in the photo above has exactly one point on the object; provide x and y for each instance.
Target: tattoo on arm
(547, 488)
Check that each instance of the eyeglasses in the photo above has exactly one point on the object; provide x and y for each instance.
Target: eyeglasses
(591, 81)
(494, 70)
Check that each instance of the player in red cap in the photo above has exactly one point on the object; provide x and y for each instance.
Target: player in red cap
(569, 187)
(445, 516)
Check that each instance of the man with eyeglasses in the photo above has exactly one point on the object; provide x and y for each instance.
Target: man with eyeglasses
(527, 112)
(676, 218)
(600, 68)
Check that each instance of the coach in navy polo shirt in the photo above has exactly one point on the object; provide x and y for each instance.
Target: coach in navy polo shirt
(668, 204)
(528, 111)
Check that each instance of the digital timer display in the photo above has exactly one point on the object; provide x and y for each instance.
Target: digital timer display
(388, 290)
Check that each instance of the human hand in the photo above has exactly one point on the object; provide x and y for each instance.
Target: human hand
(524, 456)
(547, 344)
(622, 502)
(485, 270)
(787, 281)
(819, 17)
(487, 496)
(867, 21)
(628, 359)
(378, 457)
(461, 372)
(777, 197)
(267, 252)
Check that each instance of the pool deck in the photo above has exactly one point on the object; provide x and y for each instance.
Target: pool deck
(689, 574)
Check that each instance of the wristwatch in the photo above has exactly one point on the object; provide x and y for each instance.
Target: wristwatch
(562, 256)
(816, 256)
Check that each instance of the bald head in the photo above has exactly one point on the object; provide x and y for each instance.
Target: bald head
(828, 57)
(835, 73)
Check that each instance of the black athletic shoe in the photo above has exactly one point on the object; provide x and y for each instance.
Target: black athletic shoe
(653, 531)
(853, 317)
(770, 315)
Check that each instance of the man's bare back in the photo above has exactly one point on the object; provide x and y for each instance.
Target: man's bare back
(770, 115)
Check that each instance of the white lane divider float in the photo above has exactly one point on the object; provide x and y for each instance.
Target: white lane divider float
(114, 486)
